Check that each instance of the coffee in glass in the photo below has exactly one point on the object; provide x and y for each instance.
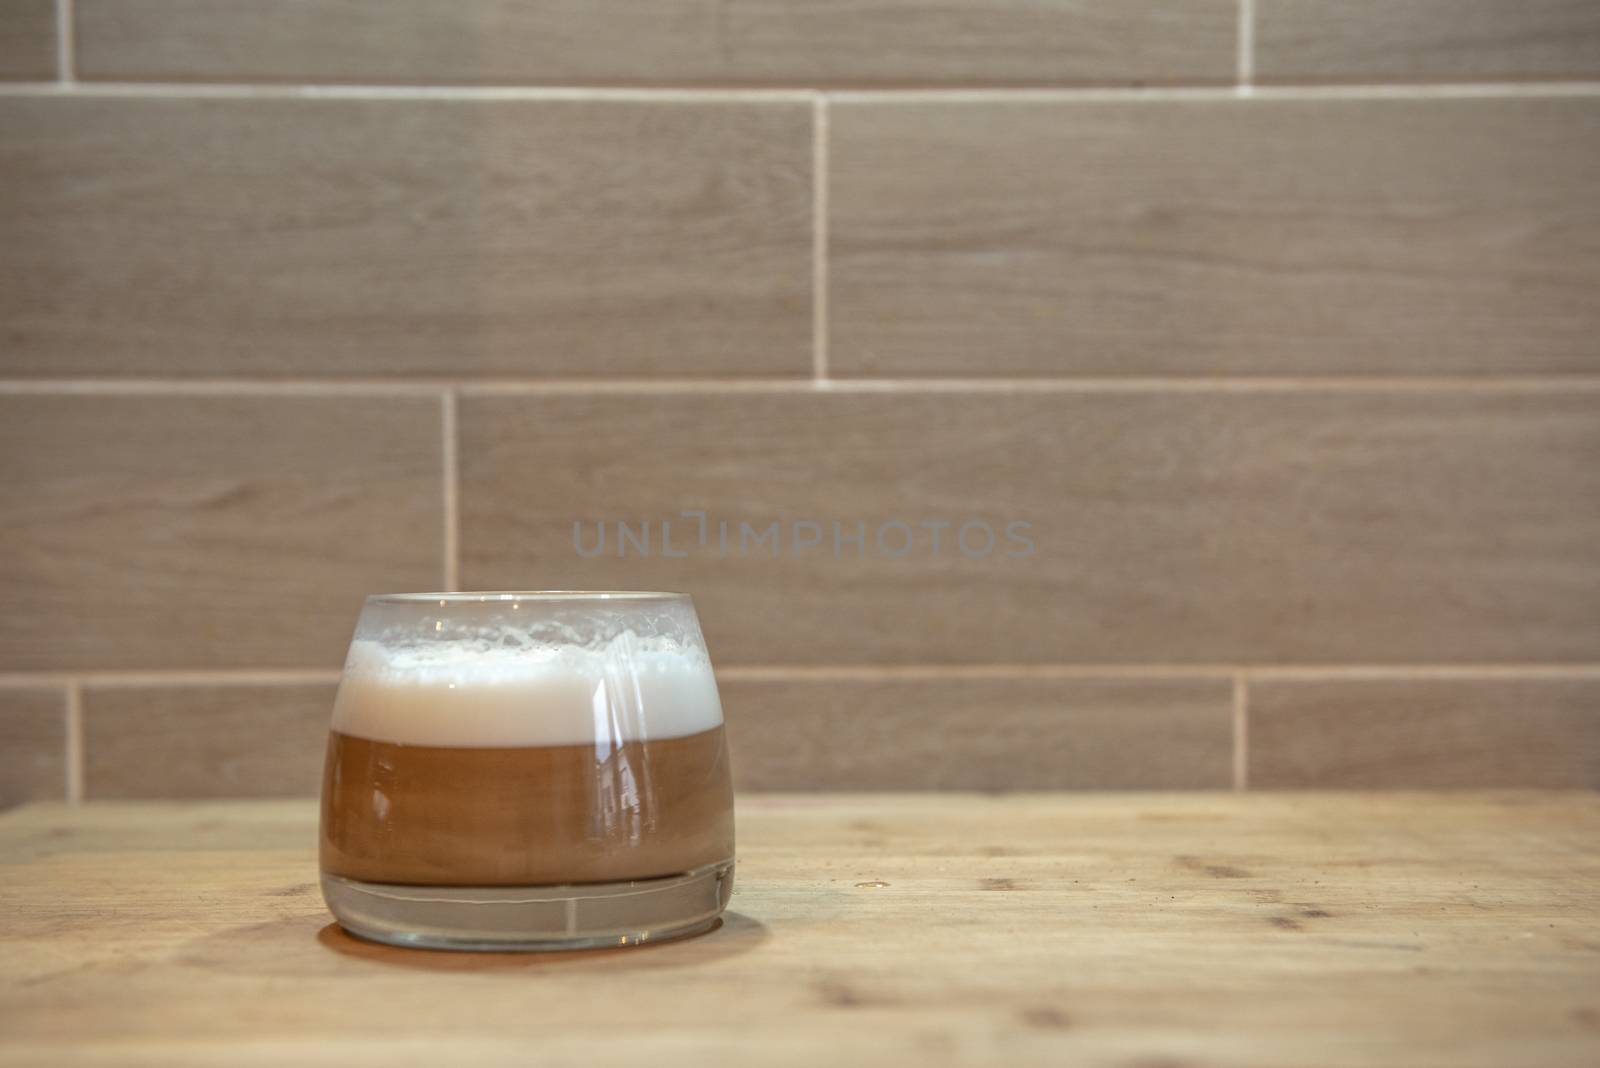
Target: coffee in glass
(527, 770)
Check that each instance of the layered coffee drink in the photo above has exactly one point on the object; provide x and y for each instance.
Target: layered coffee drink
(455, 766)
(526, 769)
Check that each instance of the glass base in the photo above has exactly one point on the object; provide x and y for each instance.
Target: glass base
(511, 918)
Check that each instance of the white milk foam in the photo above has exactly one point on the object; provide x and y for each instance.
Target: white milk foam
(472, 694)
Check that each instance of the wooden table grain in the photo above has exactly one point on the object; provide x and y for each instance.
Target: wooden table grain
(1128, 930)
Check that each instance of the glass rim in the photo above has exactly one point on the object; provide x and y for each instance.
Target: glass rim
(508, 596)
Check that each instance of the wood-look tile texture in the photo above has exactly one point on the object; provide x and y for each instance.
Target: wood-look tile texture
(288, 237)
(979, 734)
(1425, 732)
(668, 42)
(205, 741)
(1426, 40)
(33, 745)
(151, 532)
(1367, 237)
(1227, 527)
(27, 40)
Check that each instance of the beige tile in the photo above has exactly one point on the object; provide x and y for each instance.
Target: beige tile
(27, 40)
(205, 741)
(1198, 527)
(980, 734)
(33, 745)
(1368, 237)
(186, 532)
(669, 42)
(1425, 732)
(1426, 40)
(318, 237)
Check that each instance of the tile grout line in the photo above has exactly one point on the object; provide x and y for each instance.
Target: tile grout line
(1222, 93)
(879, 672)
(181, 677)
(305, 387)
(450, 450)
(66, 44)
(1247, 48)
(1290, 672)
(819, 238)
(846, 672)
(297, 676)
(929, 94)
(1241, 732)
(382, 387)
(74, 725)
(375, 91)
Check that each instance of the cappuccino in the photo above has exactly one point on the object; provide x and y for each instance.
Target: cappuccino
(525, 765)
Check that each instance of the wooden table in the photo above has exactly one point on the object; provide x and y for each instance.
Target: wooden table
(1131, 930)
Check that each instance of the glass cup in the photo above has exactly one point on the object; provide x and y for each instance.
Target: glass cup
(527, 771)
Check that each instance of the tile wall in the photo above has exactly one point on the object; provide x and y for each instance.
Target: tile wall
(1270, 329)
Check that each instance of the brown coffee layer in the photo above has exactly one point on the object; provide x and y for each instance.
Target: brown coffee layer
(442, 816)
